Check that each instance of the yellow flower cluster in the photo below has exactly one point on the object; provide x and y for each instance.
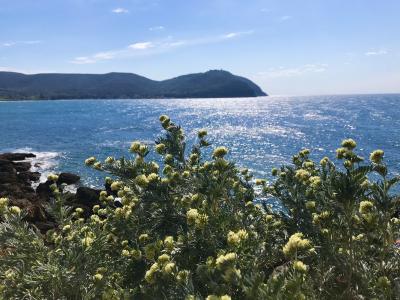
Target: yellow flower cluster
(183, 276)
(341, 153)
(300, 266)
(90, 161)
(191, 216)
(349, 144)
(310, 205)
(52, 177)
(383, 282)
(153, 177)
(165, 121)
(235, 238)
(109, 160)
(202, 133)
(304, 152)
(144, 237)
(295, 243)
(87, 242)
(260, 181)
(169, 242)
(227, 260)
(324, 161)
(141, 180)
(3, 204)
(377, 156)
(322, 216)
(308, 165)
(365, 207)
(195, 218)
(214, 297)
(163, 265)
(97, 277)
(220, 152)
(302, 175)
(315, 181)
(116, 185)
(15, 210)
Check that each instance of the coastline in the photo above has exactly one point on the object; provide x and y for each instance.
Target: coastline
(31, 190)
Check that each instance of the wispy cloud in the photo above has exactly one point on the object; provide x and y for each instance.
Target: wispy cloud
(156, 28)
(141, 45)
(293, 72)
(16, 43)
(154, 47)
(120, 10)
(376, 52)
(285, 18)
(232, 35)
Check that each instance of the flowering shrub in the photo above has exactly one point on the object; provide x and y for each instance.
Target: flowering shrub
(191, 230)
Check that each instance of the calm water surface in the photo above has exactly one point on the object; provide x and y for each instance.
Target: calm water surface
(260, 132)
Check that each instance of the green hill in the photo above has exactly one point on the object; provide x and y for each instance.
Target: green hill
(211, 84)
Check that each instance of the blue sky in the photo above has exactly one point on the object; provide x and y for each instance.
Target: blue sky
(295, 47)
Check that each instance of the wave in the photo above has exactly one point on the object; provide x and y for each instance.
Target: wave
(45, 162)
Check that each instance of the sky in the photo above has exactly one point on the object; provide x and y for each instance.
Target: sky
(288, 47)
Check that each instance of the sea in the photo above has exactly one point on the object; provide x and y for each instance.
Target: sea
(260, 133)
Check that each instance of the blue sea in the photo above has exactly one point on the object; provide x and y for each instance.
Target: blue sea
(261, 133)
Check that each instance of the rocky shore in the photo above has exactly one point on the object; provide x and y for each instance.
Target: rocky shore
(18, 182)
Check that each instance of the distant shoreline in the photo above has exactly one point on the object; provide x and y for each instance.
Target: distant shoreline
(131, 99)
(211, 84)
(199, 98)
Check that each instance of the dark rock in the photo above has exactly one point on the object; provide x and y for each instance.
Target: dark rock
(22, 166)
(21, 203)
(18, 191)
(68, 178)
(6, 177)
(29, 176)
(34, 211)
(87, 196)
(43, 191)
(8, 189)
(45, 226)
(7, 166)
(16, 156)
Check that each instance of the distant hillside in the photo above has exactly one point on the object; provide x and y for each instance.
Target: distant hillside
(215, 83)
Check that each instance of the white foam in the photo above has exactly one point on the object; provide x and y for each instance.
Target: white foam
(72, 188)
(45, 163)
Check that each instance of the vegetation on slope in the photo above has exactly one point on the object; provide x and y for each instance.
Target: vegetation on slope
(192, 231)
(211, 84)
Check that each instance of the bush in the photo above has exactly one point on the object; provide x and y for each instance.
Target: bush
(193, 231)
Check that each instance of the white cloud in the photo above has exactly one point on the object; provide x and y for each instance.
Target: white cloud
(231, 35)
(15, 43)
(154, 47)
(120, 10)
(285, 18)
(8, 44)
(237, 34)
(156, 28)
(293, 72)
(31, 42)
(104, 55)
(377, 52)
(142, 45)
(81, 60)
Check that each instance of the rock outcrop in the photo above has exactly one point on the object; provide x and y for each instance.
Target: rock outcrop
(16, 184)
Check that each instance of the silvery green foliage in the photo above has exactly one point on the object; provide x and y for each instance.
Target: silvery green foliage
(191, 230)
